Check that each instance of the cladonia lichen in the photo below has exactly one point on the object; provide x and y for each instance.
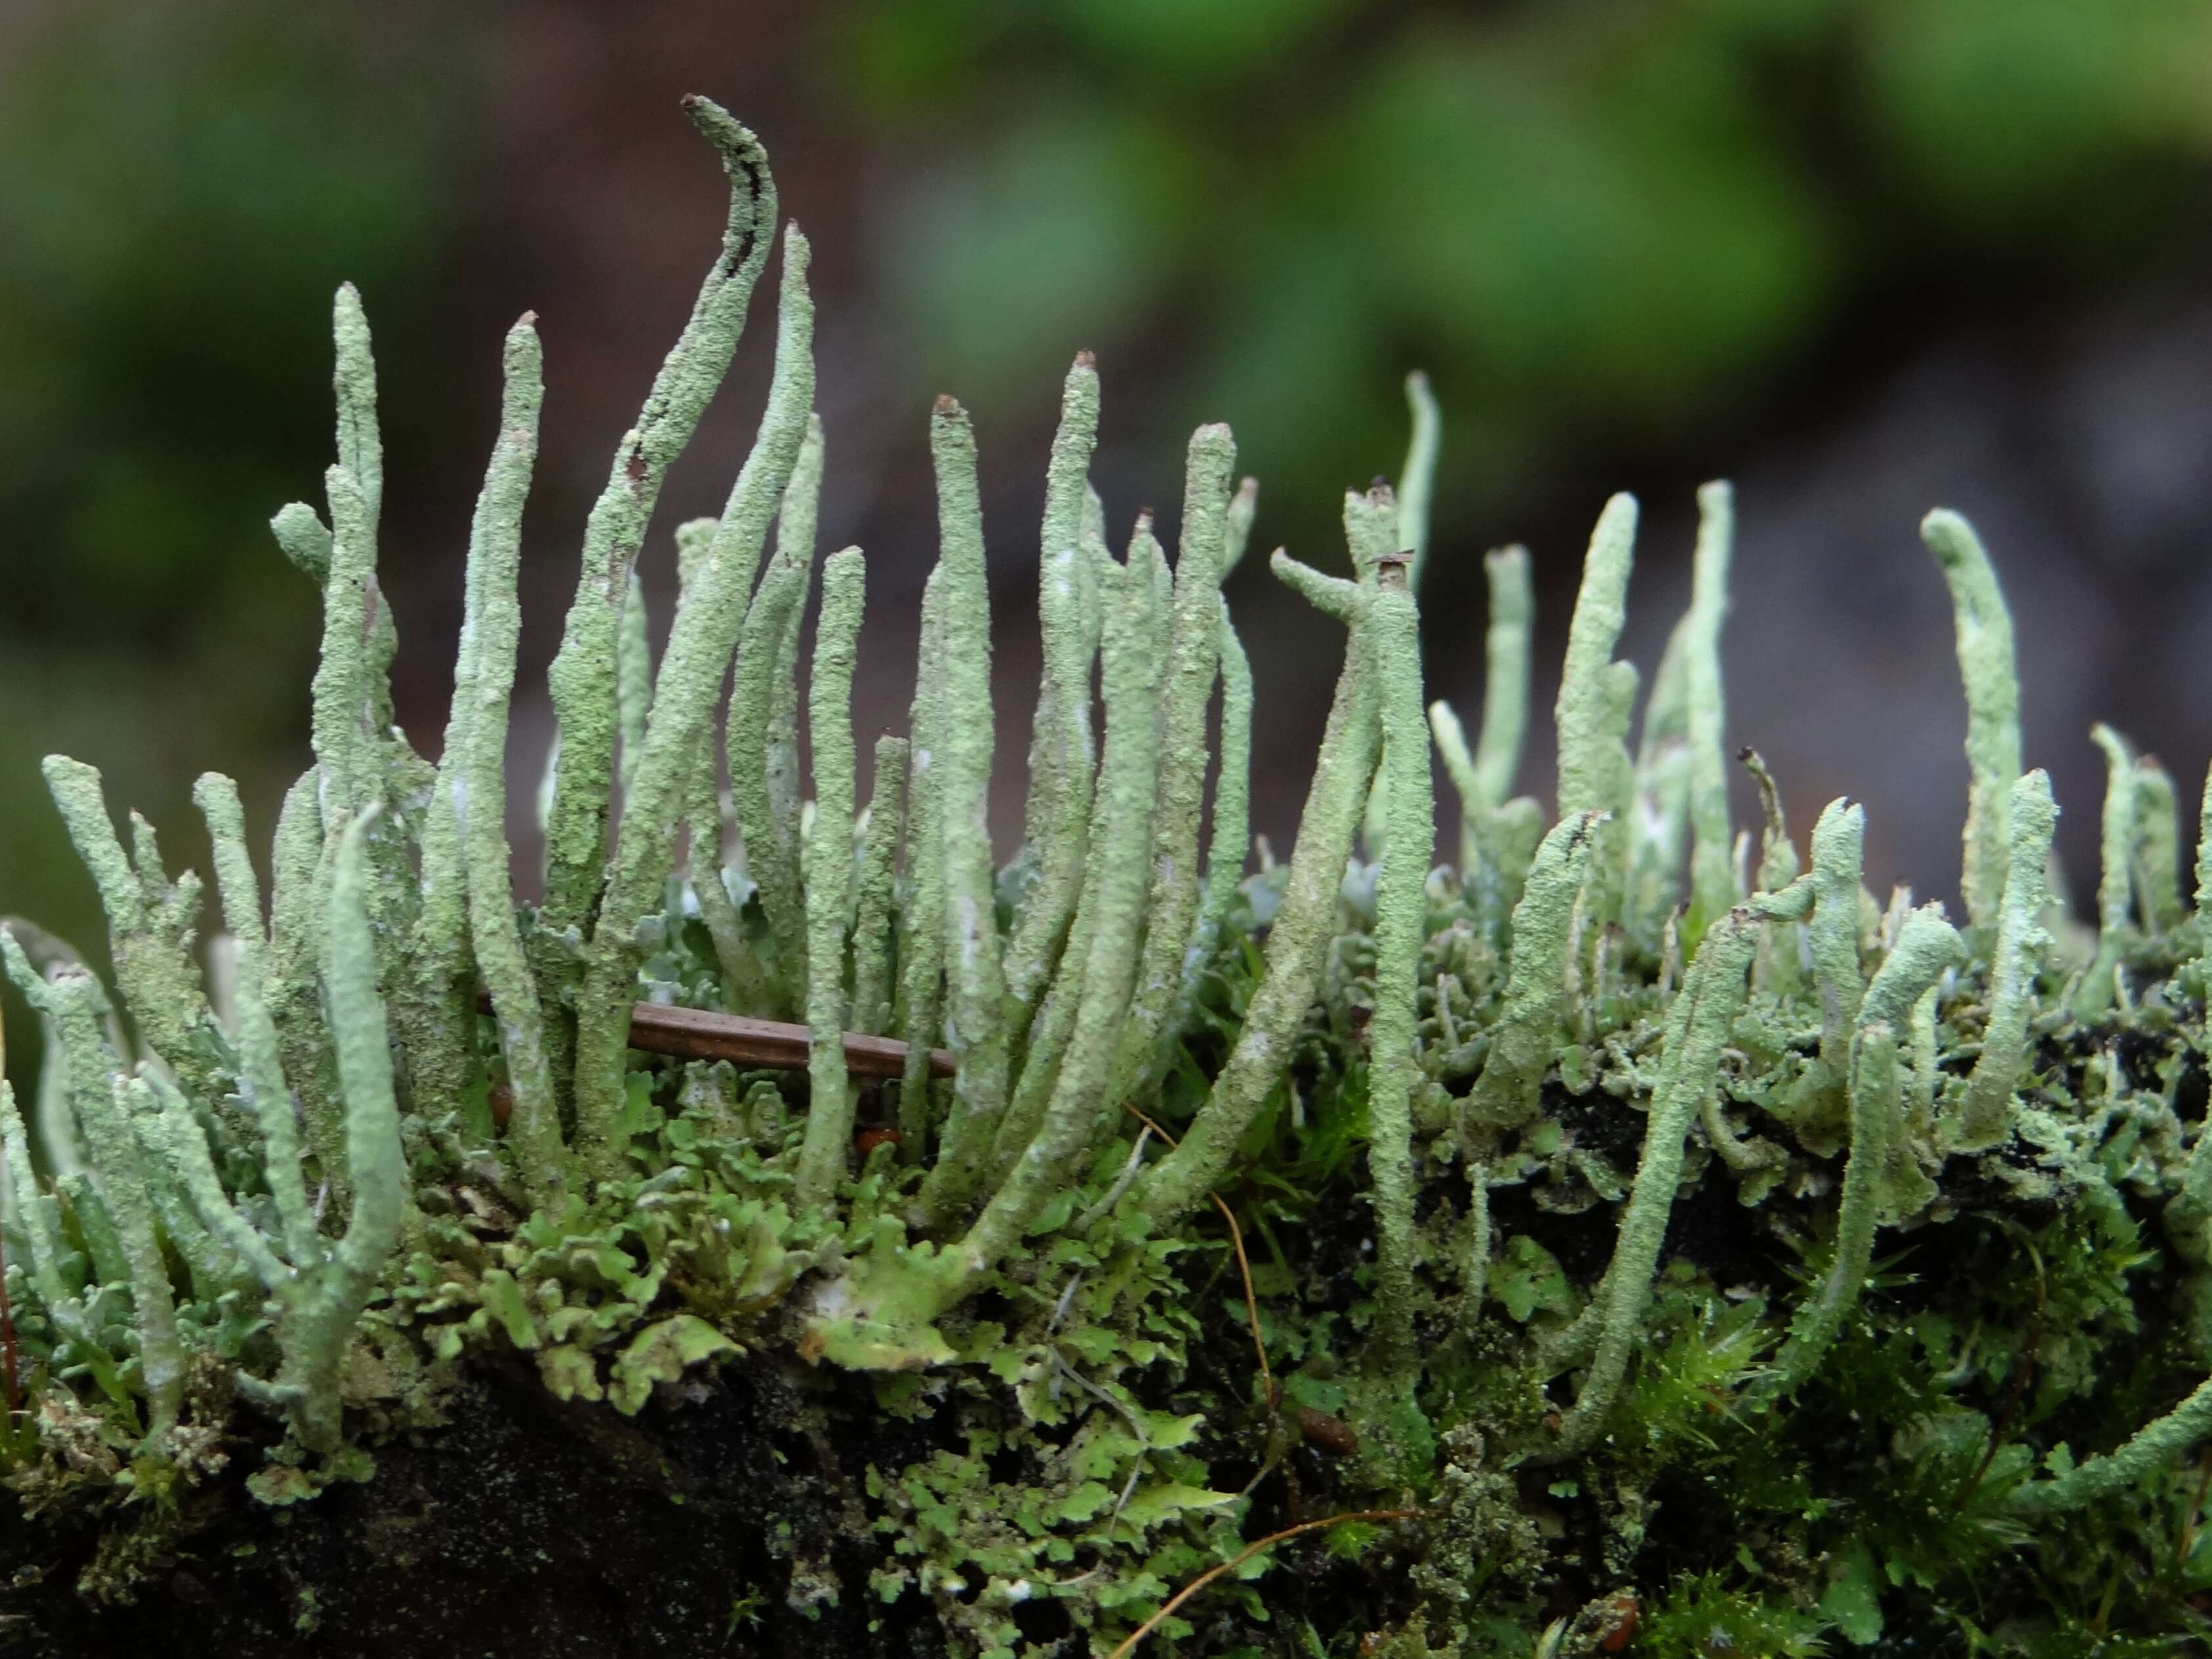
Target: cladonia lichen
(1169, 1201)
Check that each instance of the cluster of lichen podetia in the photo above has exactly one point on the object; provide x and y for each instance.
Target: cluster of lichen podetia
(305, 1165)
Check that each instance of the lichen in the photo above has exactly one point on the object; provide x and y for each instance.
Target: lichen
(1659, 1252)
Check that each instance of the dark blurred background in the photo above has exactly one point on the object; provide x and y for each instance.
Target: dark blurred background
(1861, 256)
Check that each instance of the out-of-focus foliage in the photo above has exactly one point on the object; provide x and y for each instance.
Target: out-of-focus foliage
(1601, 218)
(180, 188)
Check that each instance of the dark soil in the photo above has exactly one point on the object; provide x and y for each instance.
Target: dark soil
(522, 1529)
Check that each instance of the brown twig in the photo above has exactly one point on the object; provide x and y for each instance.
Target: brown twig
(699, 1034)
(1239, 1560)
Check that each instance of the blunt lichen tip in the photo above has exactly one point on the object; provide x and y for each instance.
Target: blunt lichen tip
(1713, 882)
(1417, 477)
(1506, 671)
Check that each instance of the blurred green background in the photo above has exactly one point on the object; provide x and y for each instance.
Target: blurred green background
(1867, 255)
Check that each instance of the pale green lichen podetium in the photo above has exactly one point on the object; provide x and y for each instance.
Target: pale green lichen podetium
(1832, 939)
(1229, 836)
(261, 1070)
(347, 683)
(103, 1245)
(2157, 848)
(316, 1296)
(162, 1120)
(582, 678)
(632, 678)
(1905, 1177)
(2203, 908)
(1416, 489)
(1136, 593)
(1236, 531)
(830, 878)
(1417, 478)
(757, 687)
(1193, 664)
(1450, 738)
(919, 1004)
(365, 759)
(881, 1312)
(1060, 743)
(1592, 714)
(78, 1007)
(1992, 681)
(296, 949)
(1371, 530)
(435, 1008)
(1299, 940)
(1777, 908)
(1983, 1115)
(700, 641)
(533, 1126)
(795, 523)
(1400, 915)
(1780, 968)
(1659, 826)
(1525, 1035)
(2120, 826)
(329, 1304)
(303, 537)
(744, 980)
(1926, 945)
(880, 1315)
(1712, 882)
(2157, 1445)
(299, 529)
(871, 909)
(961, 737)
(1505, 673)
(212, 1265)
(1387, 527)
(1698, 1027)
(149, 923)
(360, 444)
(1777, 854)
(34, 1215)
(1123, 809)
(1494, 843)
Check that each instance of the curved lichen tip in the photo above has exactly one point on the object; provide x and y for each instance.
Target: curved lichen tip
(1991, 679)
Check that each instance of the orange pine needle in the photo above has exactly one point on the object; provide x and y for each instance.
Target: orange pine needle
(1239, 1560)
(1243, 1262)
